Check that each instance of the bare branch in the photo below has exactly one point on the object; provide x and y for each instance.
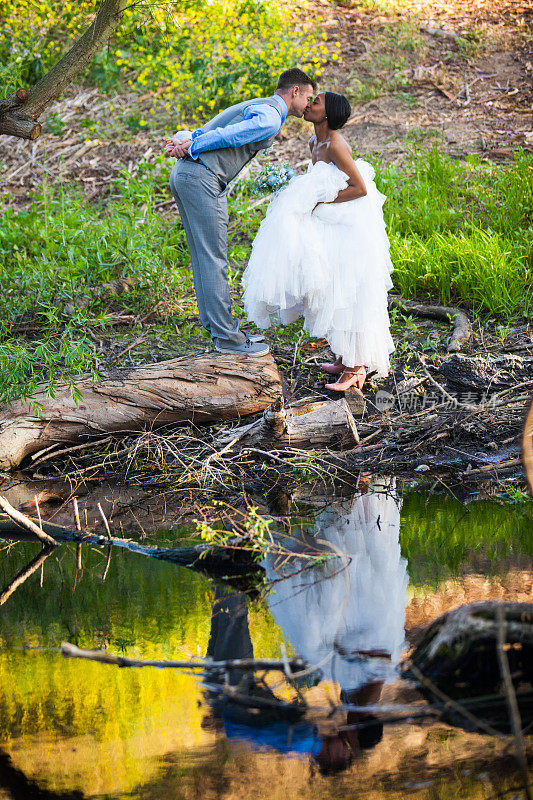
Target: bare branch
(71, 651)
(27, 523)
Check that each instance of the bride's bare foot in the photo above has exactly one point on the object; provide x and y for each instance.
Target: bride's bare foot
(334, 369)
(351, 376)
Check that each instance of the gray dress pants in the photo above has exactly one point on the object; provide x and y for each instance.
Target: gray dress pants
(203, 207)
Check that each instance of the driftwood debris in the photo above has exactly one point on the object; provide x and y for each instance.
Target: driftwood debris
(462, 330)
(478, 374)
(203, 388)
(233, 563)
(26, 522)
(240, 664)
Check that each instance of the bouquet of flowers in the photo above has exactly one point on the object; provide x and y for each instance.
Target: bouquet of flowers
(272, 178)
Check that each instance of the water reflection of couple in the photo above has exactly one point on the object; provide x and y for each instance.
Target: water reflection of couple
(344, 616)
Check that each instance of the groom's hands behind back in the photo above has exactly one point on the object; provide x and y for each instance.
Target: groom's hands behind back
(177, 149)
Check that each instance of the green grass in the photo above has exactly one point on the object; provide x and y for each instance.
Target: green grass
(460, 232)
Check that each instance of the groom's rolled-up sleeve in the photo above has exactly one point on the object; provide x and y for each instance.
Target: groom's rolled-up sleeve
(260, 122)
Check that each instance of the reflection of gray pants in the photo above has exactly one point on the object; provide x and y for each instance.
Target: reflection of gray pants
(230, 634)
(203, 208)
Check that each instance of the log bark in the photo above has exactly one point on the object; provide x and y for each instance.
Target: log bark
(205, 388)
(305, 424)
(479, 374)
(462, 330)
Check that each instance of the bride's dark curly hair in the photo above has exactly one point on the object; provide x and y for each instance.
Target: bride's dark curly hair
(338, 110)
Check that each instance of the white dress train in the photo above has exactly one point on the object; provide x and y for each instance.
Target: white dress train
(330, 265)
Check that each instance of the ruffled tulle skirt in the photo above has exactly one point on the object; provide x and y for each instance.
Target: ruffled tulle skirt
(330, 265)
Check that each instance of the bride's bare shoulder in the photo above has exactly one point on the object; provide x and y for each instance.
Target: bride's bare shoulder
(338, 143)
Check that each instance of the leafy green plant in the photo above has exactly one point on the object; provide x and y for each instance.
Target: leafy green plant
(195, 57)
(255, 528)
(471, 42)
(55, 123)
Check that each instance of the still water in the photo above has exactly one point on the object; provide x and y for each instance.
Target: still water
(362, 577)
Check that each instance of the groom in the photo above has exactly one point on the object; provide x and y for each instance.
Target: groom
(207, 162)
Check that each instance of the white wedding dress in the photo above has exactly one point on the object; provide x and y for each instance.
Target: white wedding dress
(354, 603)
(330, 265)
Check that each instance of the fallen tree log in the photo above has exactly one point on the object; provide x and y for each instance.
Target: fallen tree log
(307, 424)
(462, 330)
(203, 388)
(489, 375)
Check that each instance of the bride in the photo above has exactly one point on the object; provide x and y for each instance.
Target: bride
(322, 252)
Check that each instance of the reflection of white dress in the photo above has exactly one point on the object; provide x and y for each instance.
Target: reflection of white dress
(330, 265)
(351, 603)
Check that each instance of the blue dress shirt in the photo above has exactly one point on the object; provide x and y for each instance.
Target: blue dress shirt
(260, 122)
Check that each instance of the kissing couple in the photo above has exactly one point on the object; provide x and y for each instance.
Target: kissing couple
(322, 250)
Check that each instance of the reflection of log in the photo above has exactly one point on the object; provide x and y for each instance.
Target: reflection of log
(527, 447)
(204, 388)
(458, 650)
(25, 573)
(458, 662)
(458, 658)
(231, 563)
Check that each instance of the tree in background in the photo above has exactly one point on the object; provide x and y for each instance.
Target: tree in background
(20, 112)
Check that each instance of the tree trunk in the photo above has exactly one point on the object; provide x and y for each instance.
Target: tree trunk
(205, 388)
(18, 113)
